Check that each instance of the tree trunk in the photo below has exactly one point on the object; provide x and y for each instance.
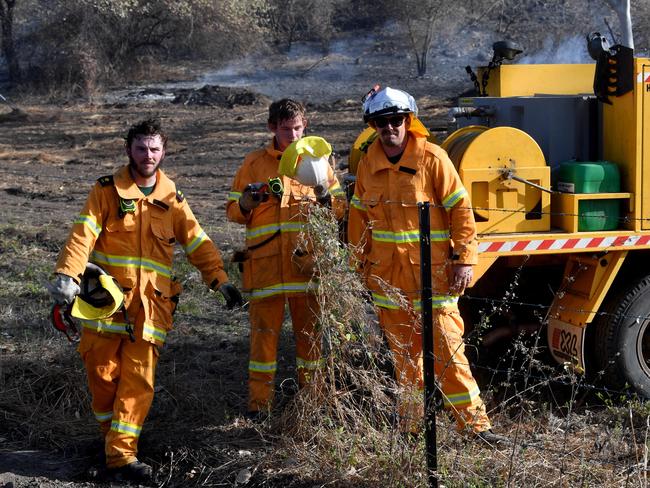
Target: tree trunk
(8, 48)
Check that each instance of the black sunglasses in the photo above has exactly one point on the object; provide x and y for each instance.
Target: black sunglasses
(394, 121)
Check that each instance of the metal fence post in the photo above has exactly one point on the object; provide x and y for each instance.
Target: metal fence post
(427, 344)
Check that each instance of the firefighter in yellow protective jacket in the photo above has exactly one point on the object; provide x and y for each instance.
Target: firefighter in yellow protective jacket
(276, 269)
(400, 169)
(129, 226)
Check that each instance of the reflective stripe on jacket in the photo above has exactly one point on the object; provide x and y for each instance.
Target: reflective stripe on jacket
(136, 247)
(384, 219)
(273, 228)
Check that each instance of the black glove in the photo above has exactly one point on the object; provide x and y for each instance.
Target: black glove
(232, 295)
(322, 195)
(253, 195)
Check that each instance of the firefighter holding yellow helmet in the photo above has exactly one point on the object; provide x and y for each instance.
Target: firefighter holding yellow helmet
(129, 226)
(271, 195)
(399, 169)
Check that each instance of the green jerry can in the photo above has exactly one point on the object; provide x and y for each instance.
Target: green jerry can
(592, 177)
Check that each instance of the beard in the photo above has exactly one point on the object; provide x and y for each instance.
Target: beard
(141, 171)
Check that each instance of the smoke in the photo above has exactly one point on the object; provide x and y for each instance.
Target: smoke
(568, 51)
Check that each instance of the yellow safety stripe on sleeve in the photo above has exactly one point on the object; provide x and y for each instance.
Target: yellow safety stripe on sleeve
(131, 262)
(194, 244)
(104, 326)
(437, 301)
(405, 236)
(89, 222)
(310, 365)
(126, 428)
(356, 203)
(234, 195)
(278, 289)
(454, 198)
(259, 367)
(103, 416)
(460, 399)
(150, 331)
(268, 229)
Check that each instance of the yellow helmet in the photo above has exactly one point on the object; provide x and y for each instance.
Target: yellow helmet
(100, 297)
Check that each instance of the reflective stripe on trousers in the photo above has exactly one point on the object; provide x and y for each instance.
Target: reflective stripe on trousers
(266, 317)
(460, 391)
(121, 381)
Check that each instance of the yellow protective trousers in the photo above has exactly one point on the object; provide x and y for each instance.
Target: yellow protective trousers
(460, 392)
(266, 317)
(121, 378)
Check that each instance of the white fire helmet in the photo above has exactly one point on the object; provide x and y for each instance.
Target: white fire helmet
(307, 161)
(388, 101)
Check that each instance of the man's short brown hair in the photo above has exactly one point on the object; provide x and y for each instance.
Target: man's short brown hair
(285, 109)
(148, 127)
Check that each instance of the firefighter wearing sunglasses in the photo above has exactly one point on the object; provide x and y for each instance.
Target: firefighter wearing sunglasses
(399, 169)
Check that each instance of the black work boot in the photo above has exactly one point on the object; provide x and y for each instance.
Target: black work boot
(491, 438)
(135, 471)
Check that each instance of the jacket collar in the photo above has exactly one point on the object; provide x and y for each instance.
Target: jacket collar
(272, 151)
(128, 190)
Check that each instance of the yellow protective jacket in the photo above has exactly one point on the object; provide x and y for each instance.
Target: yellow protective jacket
(132, 238)
(383, 220)
(275, 263)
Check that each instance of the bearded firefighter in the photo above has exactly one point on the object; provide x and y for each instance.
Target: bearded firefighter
(129, 227)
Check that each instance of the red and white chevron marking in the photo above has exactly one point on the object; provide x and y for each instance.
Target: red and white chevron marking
(558, 244)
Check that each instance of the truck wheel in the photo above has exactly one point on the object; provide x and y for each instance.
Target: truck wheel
(622, 342)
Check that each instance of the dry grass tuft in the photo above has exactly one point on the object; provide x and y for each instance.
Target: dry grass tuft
(342, 428)
(338, 432)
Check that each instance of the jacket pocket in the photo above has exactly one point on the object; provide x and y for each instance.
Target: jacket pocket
(160, 307)
(164, 239)
(260, 272)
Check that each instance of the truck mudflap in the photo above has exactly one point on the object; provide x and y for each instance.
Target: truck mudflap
(567, 344)
(587, 279)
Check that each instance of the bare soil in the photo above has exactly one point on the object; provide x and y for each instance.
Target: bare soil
(51, 155)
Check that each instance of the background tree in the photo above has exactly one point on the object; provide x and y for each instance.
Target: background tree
(292, 20)
(8, 48)
(81, 44)
(429, 21)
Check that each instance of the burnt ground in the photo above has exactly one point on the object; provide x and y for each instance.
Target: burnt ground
(51, 155)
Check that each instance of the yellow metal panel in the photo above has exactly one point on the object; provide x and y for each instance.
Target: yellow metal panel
(586, 282)
(625, 130)
(643, 84)
(484, 263)
(521, 80)
(510, 202)
(565, 207)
